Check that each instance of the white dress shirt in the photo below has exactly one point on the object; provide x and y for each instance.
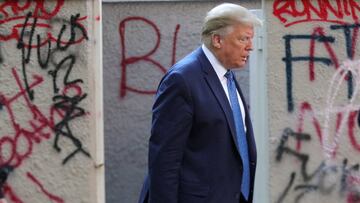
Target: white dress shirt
(220, 72)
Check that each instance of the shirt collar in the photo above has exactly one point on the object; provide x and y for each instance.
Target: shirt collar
(219, 69)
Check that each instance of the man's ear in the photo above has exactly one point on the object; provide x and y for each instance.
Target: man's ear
(216, 41)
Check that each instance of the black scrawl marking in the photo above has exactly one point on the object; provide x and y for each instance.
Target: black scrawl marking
(73, 24)
(26, 56)
(316, 181)
(72, 111)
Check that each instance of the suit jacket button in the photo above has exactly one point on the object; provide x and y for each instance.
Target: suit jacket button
(237, 195)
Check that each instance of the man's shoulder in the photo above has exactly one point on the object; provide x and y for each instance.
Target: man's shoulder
(190, 64)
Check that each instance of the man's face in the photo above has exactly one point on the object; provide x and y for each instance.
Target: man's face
(234, 48)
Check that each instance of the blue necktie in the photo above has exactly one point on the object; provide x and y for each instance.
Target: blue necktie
(240, 133)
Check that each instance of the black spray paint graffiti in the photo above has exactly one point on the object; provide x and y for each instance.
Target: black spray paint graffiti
(318, 36)
(4, 173)
(69, 105)
(25, 57)
(316, 181)
(72, 111)
(289, 59)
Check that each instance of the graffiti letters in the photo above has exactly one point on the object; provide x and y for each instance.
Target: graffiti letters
(318, 38)
(325, 138)
(292, 12)
(47, 48)
(321, 180)
(128, 60)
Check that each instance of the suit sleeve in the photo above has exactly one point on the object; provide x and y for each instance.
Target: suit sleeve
(171, 126)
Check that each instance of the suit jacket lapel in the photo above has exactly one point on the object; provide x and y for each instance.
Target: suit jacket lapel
(217, 89)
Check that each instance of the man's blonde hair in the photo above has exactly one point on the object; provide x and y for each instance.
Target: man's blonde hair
(220, 19)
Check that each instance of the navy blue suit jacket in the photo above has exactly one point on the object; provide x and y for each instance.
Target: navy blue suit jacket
(193, 156)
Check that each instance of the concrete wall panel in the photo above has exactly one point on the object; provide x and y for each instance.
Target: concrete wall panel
(46, 104)
(313, 87)
(141, 41)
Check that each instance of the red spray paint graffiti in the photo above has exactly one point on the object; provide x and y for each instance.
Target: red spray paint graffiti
(306, 109)
(14, 13)
(11, 194)
(128, 60)
(12, 8)
(31, 136)
(52, 197)
(24, 22)
(319, 31)
(41, 127)
(338, 115)
(291, 12)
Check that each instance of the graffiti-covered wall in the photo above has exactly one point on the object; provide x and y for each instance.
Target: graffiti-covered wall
(47, 112)
(314, 100)
(141, 41)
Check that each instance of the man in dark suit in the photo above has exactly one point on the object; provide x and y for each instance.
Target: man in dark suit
(202, 146)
